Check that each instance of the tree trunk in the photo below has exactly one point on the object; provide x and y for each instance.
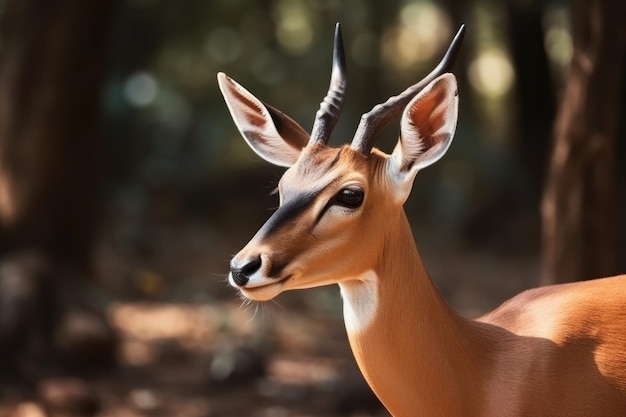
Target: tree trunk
(579, 207)
(52, 61)
(535, 93)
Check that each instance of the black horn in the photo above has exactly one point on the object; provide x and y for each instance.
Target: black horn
(330, 108)
(376, 119)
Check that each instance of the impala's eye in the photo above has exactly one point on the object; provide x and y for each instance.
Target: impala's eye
(351, 197)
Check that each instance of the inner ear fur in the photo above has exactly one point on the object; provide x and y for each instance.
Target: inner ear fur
(427, 126)
(272, 134)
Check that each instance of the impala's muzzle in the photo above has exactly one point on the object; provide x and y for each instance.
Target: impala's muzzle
(255, 277)
(243, 270)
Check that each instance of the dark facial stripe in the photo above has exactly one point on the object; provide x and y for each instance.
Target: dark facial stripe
(276, 271)
(289, 211)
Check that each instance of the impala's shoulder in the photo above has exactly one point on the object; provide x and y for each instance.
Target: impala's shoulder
(578, 305)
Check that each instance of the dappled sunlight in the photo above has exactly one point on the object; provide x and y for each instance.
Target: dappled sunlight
(193, 326)
(141, 89)
(304, 371)
(25, 409)
(558, 38)
(423, 30)
(7, 198)
(491, 73)
(294, 30)
(559, 45)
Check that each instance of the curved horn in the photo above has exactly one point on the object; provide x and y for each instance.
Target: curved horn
(330, 108)
(376, 119)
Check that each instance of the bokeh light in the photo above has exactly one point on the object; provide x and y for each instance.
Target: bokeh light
(294, 30)
(491, 73)
(421, 33)
(141, 89)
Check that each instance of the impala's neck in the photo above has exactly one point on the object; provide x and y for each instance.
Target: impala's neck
(416, 354)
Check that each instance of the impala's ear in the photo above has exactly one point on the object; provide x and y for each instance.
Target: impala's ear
(426, 129)
(270, 133)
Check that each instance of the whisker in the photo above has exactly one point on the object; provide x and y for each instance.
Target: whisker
(245, 301)
(256, 310)
(266, 311)
(278, 304)
(221, 277)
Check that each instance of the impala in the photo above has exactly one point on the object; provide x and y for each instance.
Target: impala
(551, 351)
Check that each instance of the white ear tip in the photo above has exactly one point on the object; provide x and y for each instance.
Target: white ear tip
(223, 79)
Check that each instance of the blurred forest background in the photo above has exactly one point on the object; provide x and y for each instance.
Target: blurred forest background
(125, 187)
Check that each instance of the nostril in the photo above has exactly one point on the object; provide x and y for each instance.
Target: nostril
(252, 266)
(241, 274)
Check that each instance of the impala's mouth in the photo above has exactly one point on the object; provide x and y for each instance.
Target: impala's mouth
(265, 292)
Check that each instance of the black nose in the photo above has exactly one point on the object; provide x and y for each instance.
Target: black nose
(241, 273)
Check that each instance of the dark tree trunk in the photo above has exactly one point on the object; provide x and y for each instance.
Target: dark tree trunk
(536, 105)
(579, 207)
(52, 61)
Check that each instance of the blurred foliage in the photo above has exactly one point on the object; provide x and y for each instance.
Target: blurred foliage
(173, 152)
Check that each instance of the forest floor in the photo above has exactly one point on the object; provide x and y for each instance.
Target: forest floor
(191, 348)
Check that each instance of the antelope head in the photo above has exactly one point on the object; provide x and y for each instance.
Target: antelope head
(337, 205)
